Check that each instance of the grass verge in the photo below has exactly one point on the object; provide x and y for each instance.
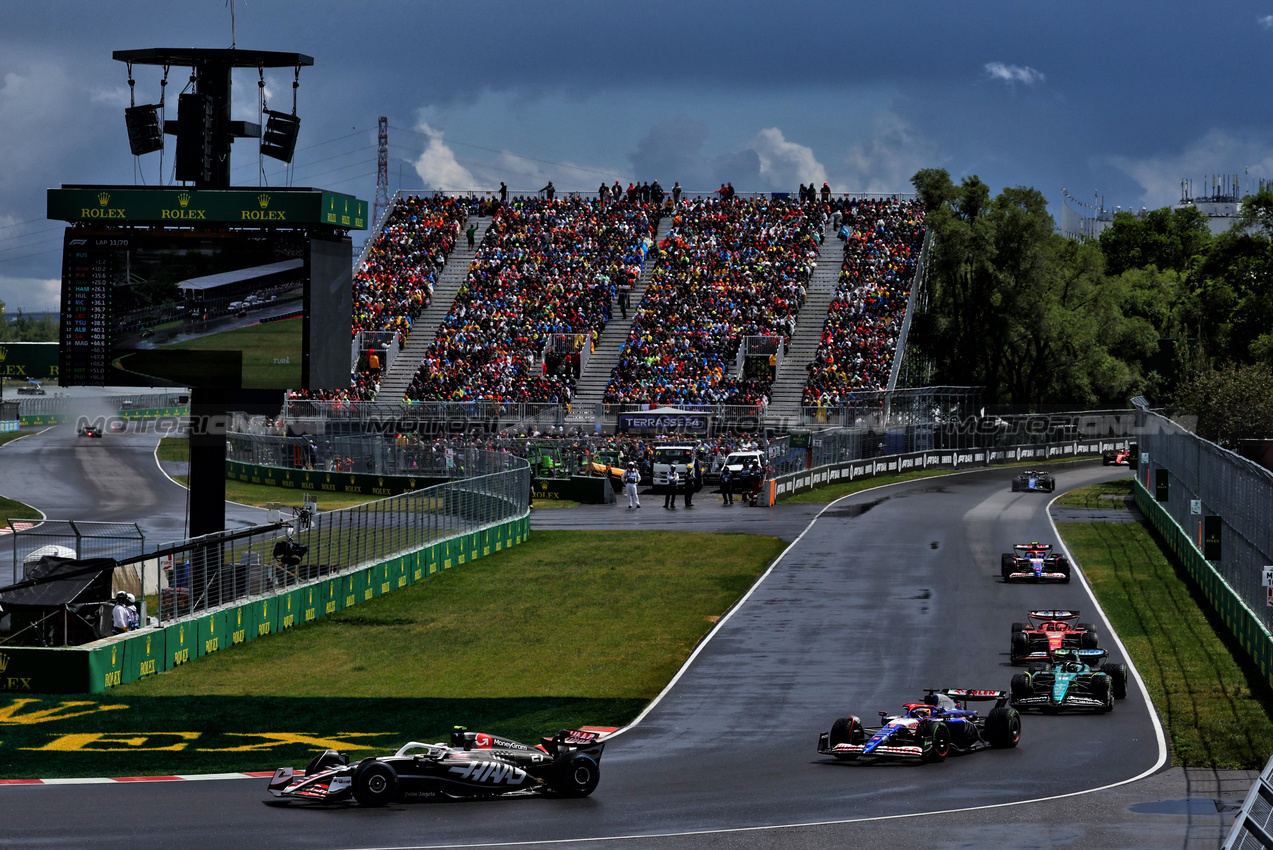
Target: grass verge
(571, 628)
(13, 509)
(1214, 704)
(176, 449)
(10, 436)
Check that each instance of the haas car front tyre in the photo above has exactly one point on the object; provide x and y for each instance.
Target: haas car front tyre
(375, 783)
(1003, 727)
(577, 777)
(934, 739)
(846, 730)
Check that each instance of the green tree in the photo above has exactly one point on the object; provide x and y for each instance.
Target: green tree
(1163, 238)
(1232, 403)
(21, 328)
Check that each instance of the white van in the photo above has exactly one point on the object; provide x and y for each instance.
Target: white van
(736, 462)
(665, 457)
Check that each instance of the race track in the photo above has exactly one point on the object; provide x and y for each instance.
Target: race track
(888, 592)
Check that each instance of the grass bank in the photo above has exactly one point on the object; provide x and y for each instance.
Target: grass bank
(568, 613)
(1215, 705)
(572, 628)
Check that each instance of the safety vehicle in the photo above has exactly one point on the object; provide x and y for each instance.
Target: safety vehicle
(1034, 562)
(1071, 679)
(470, 765)
(1047, 631)
(930, 730)
(1034, 479)
(31, 387)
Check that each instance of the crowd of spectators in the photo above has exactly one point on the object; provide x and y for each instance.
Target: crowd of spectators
(882, 240)
(727, 269)
(546, 267)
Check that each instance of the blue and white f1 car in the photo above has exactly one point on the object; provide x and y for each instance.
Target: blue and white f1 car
(1034, 479)
(928, 730)
(1034, 562)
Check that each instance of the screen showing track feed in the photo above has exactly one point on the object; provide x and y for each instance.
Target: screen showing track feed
(219, 309)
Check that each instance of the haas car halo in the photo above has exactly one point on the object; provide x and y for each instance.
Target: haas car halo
(473, 765)
(1034, 562)
(928, 730)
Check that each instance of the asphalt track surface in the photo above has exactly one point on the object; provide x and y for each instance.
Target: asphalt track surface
(888, 592)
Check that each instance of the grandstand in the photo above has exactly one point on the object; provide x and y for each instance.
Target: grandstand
(529, 315)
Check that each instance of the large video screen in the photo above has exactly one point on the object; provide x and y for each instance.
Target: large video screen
(229, 309)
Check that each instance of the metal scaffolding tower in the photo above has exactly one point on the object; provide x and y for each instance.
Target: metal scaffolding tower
(382, 171)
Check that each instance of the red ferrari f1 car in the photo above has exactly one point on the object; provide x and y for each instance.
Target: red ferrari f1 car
(1048, 631)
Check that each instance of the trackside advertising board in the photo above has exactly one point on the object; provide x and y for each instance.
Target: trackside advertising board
(97, 667)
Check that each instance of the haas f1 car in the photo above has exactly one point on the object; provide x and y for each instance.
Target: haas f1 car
(1033, 479)
(928, 730)
(1048, 631)
(473, 765)
(1034, 562)
(1071, 680)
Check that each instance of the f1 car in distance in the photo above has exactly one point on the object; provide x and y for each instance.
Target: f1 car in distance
(928, 730)
(1071, 680)
(1116, 457)
(1034, 562)
(471, 765)
(89, 431)
(1047, 631)
(1034, 479)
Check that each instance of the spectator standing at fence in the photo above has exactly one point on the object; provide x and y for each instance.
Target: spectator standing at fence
(826, 193)
(549, 191)
(676, 193)
(503, 193)
(631, 479)
(673, 480)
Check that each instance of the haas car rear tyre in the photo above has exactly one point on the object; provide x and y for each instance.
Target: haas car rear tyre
(934, 738)
(1117, 679)
(375, 783)
(578, 777)
(846, 730)
(1003, 727)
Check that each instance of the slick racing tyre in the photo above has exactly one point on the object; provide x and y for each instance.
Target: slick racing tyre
(1117, 679)
(325, 761)
(1020, 646)
(577, 777)
(1003, 727)
(1063, 567)
(1020, 687)
(1091, 630)
(1087, 640)
(1007, 564)
(375, 783)
(1018, 627)
(846, 730)
(934, 739)
(1101, 690)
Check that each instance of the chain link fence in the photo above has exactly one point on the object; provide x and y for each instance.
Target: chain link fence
(1194, 479)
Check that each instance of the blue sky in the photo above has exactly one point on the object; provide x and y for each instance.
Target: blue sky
(1124, 99)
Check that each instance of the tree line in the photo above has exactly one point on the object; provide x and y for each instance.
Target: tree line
(1156, 306)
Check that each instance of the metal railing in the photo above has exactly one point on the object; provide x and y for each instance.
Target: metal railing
(185, 578)
(55, 404)
(1203, 480)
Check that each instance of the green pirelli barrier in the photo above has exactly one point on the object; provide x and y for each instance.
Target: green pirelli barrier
(148, 652)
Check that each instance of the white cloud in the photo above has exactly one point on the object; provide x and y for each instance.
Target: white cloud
(784, 163)
(1265, 21)
(1013, 73)
(31, 295)
(438, 167)
(888, 160)
(1215, 153)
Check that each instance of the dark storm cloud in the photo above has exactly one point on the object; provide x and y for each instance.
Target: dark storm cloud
(672, 151)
